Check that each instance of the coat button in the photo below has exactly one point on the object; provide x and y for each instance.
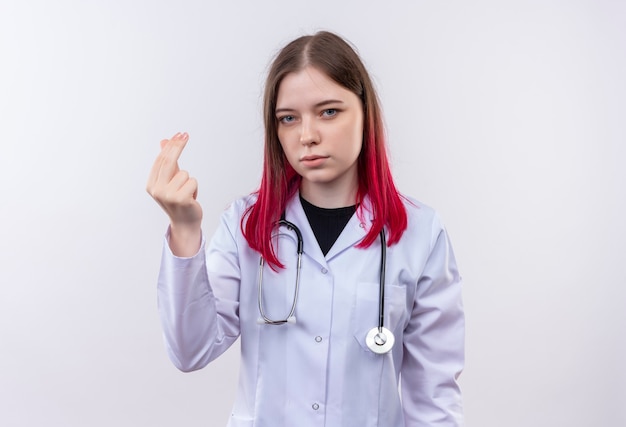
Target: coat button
(318, 339)
(315, 406)
(324, 271)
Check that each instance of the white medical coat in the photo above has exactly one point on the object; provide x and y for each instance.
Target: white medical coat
(319, 371)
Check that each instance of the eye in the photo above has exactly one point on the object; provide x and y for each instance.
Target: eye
(330, 112)
(286, 119)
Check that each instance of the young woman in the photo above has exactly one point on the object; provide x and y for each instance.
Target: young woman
(345, 294)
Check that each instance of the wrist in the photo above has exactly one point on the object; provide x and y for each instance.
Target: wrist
(185, 239)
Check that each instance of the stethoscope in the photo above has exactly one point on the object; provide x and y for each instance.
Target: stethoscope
(379, 339)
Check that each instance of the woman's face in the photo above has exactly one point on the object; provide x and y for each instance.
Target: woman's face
(320, 128)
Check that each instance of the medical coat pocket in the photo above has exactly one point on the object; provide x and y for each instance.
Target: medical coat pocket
(366, 310)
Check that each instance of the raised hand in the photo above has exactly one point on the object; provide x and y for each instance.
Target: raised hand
(176, 193)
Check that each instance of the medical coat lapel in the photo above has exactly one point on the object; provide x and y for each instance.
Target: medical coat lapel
(354, 231)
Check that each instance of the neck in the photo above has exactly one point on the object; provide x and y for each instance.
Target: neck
(328, 197)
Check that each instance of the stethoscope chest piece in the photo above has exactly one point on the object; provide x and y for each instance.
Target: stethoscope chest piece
(380, 341)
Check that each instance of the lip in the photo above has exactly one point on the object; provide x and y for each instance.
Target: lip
(313, 160)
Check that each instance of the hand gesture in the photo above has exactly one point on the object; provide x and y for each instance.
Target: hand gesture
(176, 193)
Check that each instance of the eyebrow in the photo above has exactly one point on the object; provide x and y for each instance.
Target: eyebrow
(318, 105)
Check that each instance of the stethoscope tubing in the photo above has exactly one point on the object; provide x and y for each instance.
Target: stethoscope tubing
(290, 317)
(381, 292)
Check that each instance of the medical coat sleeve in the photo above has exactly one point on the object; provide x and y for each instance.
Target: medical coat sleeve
(434, 342)
(199, 325)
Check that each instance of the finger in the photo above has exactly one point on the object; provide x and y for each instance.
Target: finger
(180, 191)
(190, 187)
(154, 171)
(159, 161)
(165, 141)
(178, 180)
(169, 158)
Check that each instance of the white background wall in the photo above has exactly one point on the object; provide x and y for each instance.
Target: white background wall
(508, 117)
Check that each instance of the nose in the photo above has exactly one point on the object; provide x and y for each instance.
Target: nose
(308, 132)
